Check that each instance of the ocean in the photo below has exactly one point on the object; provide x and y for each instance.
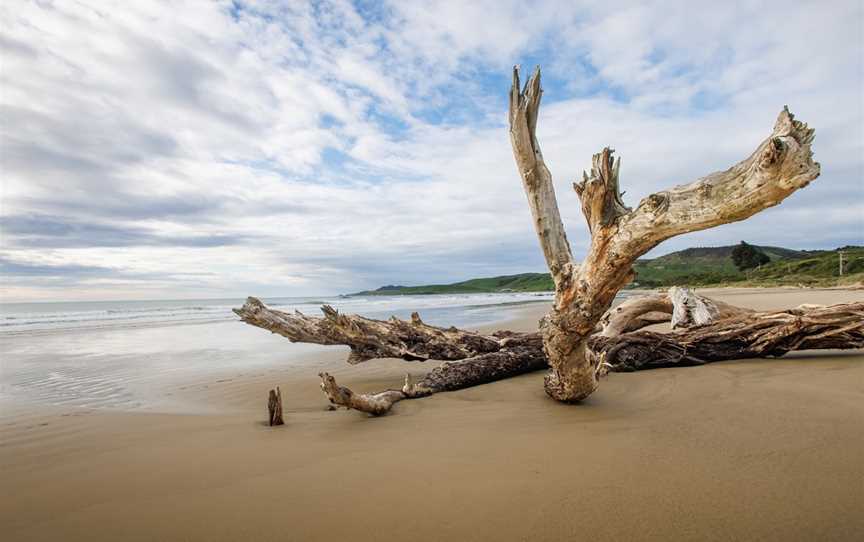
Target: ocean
(440, 309)
(137, 355)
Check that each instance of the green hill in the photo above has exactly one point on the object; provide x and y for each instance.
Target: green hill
(524, 282)
(713, 266)
(723, 254)
(701, 266)
(815, 268)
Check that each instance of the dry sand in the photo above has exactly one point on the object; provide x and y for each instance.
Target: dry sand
(743, 450)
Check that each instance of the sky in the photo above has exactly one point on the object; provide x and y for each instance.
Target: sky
(155, 150)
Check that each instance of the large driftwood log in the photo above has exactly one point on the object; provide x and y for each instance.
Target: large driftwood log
(707, 331)
(780, 165)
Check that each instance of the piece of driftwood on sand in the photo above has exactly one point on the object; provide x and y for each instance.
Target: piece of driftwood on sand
(274, 407)
(580, 339)
(704, 331)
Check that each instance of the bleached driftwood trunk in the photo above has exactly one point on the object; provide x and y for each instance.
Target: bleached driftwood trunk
(707, 331)
(576, 353)
(781, 164)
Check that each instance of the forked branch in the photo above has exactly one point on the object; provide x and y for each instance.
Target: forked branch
(780, 165)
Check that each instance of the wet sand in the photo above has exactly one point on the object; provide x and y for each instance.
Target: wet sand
(742, 450)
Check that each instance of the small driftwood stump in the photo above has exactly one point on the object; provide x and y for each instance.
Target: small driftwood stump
(274, 406)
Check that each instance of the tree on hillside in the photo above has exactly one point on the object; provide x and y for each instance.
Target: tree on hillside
(746, 256)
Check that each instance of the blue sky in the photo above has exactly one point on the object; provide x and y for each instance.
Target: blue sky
(214, 149)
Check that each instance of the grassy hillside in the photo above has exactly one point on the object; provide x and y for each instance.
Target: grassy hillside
(525, 282)
(813, 269)
(700, 266)
(691, 267)
(711, 255)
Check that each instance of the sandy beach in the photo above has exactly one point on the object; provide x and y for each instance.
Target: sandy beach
(741, 450)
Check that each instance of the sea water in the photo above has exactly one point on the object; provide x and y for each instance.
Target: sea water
(128, 354)
(441, 309)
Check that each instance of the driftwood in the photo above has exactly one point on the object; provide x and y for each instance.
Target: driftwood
(371, 339)
(779, 166)
(750, 334)
(274, 407)
(450, 376)
(580, 339)
(682, 307)
(705, 331)
(481, 358)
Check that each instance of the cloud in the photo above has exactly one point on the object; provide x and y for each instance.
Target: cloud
(294, 148)
(15, 269)
(39, 231)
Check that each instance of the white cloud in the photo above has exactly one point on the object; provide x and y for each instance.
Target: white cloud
(196, 149)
